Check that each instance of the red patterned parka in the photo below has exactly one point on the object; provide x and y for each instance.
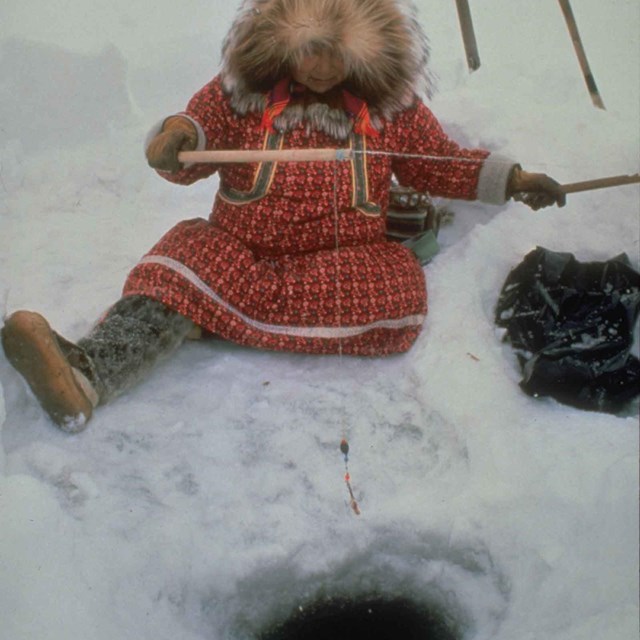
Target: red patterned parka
(293, 256)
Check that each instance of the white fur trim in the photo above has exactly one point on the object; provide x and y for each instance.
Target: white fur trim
(493, 179)
(301, 332)
(382, 42)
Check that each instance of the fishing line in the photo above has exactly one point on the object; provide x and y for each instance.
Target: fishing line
(502, 160)
(344, 444)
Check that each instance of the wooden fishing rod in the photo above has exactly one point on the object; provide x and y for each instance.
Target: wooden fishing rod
(226, 156)
(600, 183)
(265, 155)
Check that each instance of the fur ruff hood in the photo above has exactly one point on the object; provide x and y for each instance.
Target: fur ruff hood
(381, 42)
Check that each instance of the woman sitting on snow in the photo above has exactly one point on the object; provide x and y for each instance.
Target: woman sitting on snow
(293, 256)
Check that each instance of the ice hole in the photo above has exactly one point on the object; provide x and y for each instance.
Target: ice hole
(396, 586)
(372, 616)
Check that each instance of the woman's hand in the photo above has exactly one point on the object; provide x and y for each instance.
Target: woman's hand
(536, 190)
(178, 134)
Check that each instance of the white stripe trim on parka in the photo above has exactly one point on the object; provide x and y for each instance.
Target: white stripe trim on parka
(277, 329)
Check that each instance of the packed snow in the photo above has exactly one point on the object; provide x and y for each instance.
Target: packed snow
(209, 501)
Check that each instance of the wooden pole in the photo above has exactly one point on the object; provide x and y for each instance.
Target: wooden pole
(468, 34)
(569, 18)
(224, 156)
(265, 155)
(600, 183)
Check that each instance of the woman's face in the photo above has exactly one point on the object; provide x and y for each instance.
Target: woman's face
(320, 72)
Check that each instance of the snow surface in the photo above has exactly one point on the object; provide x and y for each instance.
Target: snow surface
(210, 501)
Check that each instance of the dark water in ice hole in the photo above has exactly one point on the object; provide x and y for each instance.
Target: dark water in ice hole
(368, 617)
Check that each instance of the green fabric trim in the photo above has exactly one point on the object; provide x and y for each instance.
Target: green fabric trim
(425, 246)
(360, 199)
(263, 179)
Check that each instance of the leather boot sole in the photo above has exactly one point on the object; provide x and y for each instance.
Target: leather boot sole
(31, 347)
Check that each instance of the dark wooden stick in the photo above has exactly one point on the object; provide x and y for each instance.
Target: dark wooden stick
(468, 34)
(600, 183)
(569, 18)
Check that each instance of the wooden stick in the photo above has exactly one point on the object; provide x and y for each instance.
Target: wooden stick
(330, 155)
(600, 183)
(569, 18)
(468, 34)
(265, 155)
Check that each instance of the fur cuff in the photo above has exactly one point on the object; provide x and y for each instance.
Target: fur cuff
(494, 178)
